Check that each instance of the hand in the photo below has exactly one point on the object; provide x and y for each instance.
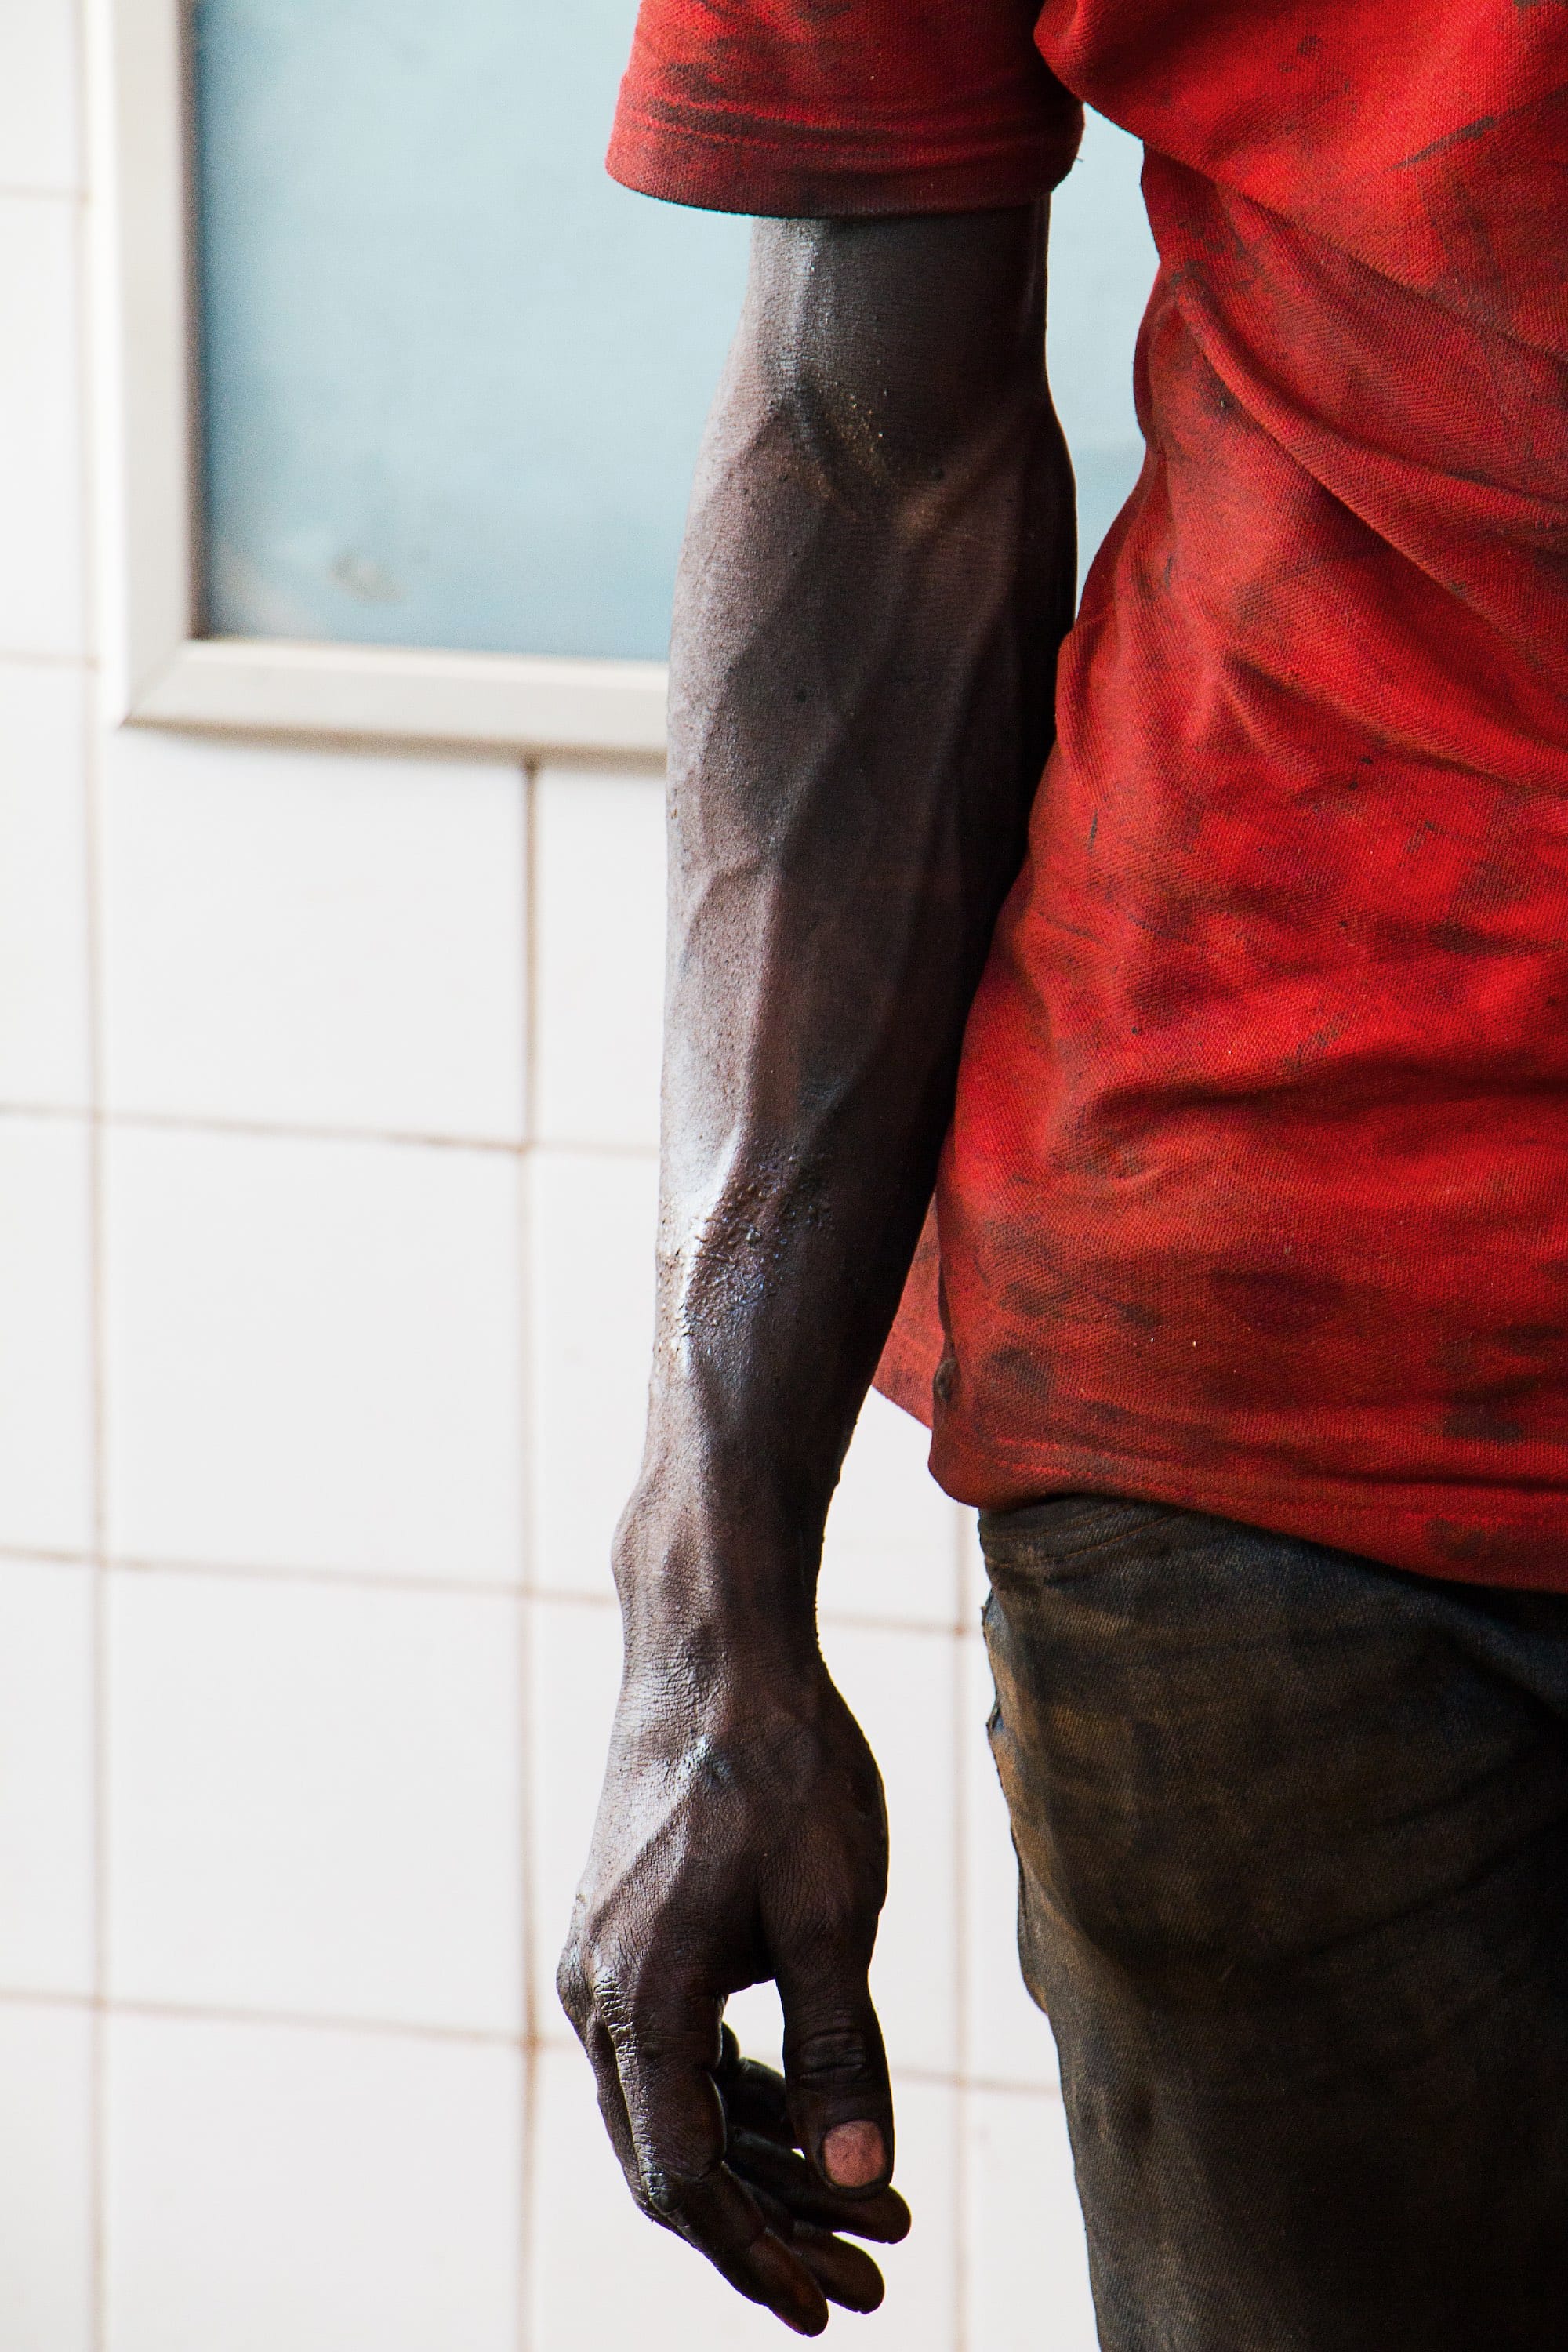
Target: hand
(741, 1836)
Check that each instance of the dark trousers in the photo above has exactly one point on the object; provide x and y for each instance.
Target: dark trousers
(1292, 1832)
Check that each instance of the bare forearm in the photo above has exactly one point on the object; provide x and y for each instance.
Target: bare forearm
(876, 576)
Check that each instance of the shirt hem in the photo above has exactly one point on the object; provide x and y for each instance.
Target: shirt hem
(744, 173)
(1515, 1539)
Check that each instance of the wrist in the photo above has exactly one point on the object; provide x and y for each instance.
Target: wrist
(718, 1589)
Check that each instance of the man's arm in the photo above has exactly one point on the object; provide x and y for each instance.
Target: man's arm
(878, 571)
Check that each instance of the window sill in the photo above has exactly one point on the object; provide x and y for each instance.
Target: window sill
(374, 694)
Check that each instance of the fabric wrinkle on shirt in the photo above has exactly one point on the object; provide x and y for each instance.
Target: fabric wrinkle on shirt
(1256, 1200)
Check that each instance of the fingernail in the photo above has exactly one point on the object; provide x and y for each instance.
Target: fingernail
(853, 2156)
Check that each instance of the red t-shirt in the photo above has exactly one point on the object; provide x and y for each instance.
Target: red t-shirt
(1256, 1194)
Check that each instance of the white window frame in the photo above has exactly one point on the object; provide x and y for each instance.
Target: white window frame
(161, 672)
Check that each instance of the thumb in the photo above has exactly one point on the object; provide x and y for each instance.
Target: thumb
(835, 2076)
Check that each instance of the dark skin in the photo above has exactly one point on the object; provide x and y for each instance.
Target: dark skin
(878, 571)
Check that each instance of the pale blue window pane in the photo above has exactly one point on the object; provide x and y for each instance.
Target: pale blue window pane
(1102, 265)
(454, 378)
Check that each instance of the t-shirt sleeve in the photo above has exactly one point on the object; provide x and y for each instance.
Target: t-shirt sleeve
(814, 109)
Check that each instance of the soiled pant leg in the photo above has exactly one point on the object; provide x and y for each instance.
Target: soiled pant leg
(1293, 1842)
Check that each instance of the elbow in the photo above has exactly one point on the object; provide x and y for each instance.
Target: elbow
(875, 446)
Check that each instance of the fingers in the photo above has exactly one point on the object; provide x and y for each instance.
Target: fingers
(718, 2214)
(755, 2097)
(785, 2288)
(835, 2073)
(845, 2275)
(601, 2052)
(778, 2173)
(665, 2119)
(802, 2209)
(761, 2146)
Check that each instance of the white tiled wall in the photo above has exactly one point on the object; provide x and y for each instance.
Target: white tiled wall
(327, 1114)
(288, 2188)
(357, 929)
(313, 1352)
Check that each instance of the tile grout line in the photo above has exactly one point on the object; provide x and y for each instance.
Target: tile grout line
(530, 956)
(298, 1131)
(87, 254)
(527, 1861)
(44, 1555)
(343, 1580)
(15, 657)
(395, 2029)
(101, 1716)
(389, 1581)
(194, 2012)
